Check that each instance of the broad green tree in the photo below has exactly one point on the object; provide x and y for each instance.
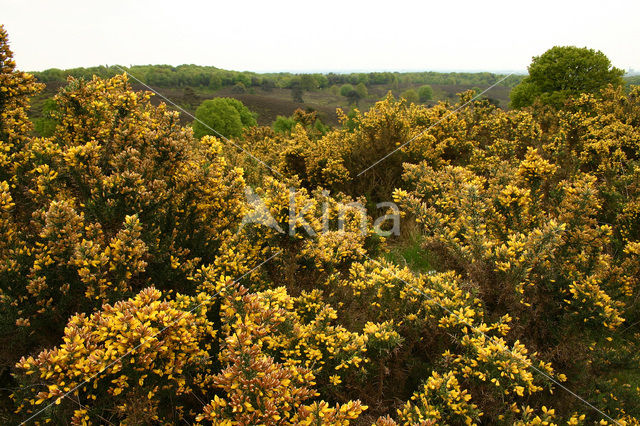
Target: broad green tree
(354, 94)
(308, 82)
(346, 89)
(226, 116)
(410, 95)
(565, 71)
(362, 90)
(425, 93)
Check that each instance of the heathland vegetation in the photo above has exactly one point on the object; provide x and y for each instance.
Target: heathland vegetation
(153, 272)
(270, 96)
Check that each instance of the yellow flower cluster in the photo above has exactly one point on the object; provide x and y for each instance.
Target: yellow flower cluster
(136, 349)
(436, 301)
(335, 159)
(15, 89)
(510, 238)
(259, 390)
(118, 197)
(530, 217)
(440, 399)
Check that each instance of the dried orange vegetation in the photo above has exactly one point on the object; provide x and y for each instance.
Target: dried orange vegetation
(122, 238)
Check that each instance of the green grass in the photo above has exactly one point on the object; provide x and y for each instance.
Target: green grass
(409, 252)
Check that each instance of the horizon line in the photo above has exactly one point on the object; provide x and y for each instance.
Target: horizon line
(313, 71)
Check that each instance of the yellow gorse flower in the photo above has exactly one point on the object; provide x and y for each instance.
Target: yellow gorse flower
(121, 237)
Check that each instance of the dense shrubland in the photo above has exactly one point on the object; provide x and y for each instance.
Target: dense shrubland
(132, 290)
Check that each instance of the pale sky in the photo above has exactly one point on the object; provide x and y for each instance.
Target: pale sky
(323, 35)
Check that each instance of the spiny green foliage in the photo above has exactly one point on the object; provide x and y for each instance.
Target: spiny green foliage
(309, 120)
(283, 124)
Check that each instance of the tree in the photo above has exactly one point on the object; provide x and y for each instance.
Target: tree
(226, 116)
(215, 82)
(321, 80)
(308, 82)
(565, 71)
(362, 90)
(353, 97)
(425, 93)
(296, 94)
(239, 87)
(297, 90)
(352, 94)
(410, 95)
(268, 84)
(345, 89)
(523, 94)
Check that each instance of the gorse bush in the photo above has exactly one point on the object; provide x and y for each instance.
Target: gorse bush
(163, 341)
(341, 159)
(118, 196)
(150, 276)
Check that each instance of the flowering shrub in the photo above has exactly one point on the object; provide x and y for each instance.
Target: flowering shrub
(511, 238)
(143, 280)
(120, 196)
(440, 398)
(259, 390)
(535, 230)
(125, 359)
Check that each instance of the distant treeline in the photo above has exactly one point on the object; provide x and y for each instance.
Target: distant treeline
(633, 79)
(216, 78)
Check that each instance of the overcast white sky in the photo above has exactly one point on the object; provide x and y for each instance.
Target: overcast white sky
(322, 35)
